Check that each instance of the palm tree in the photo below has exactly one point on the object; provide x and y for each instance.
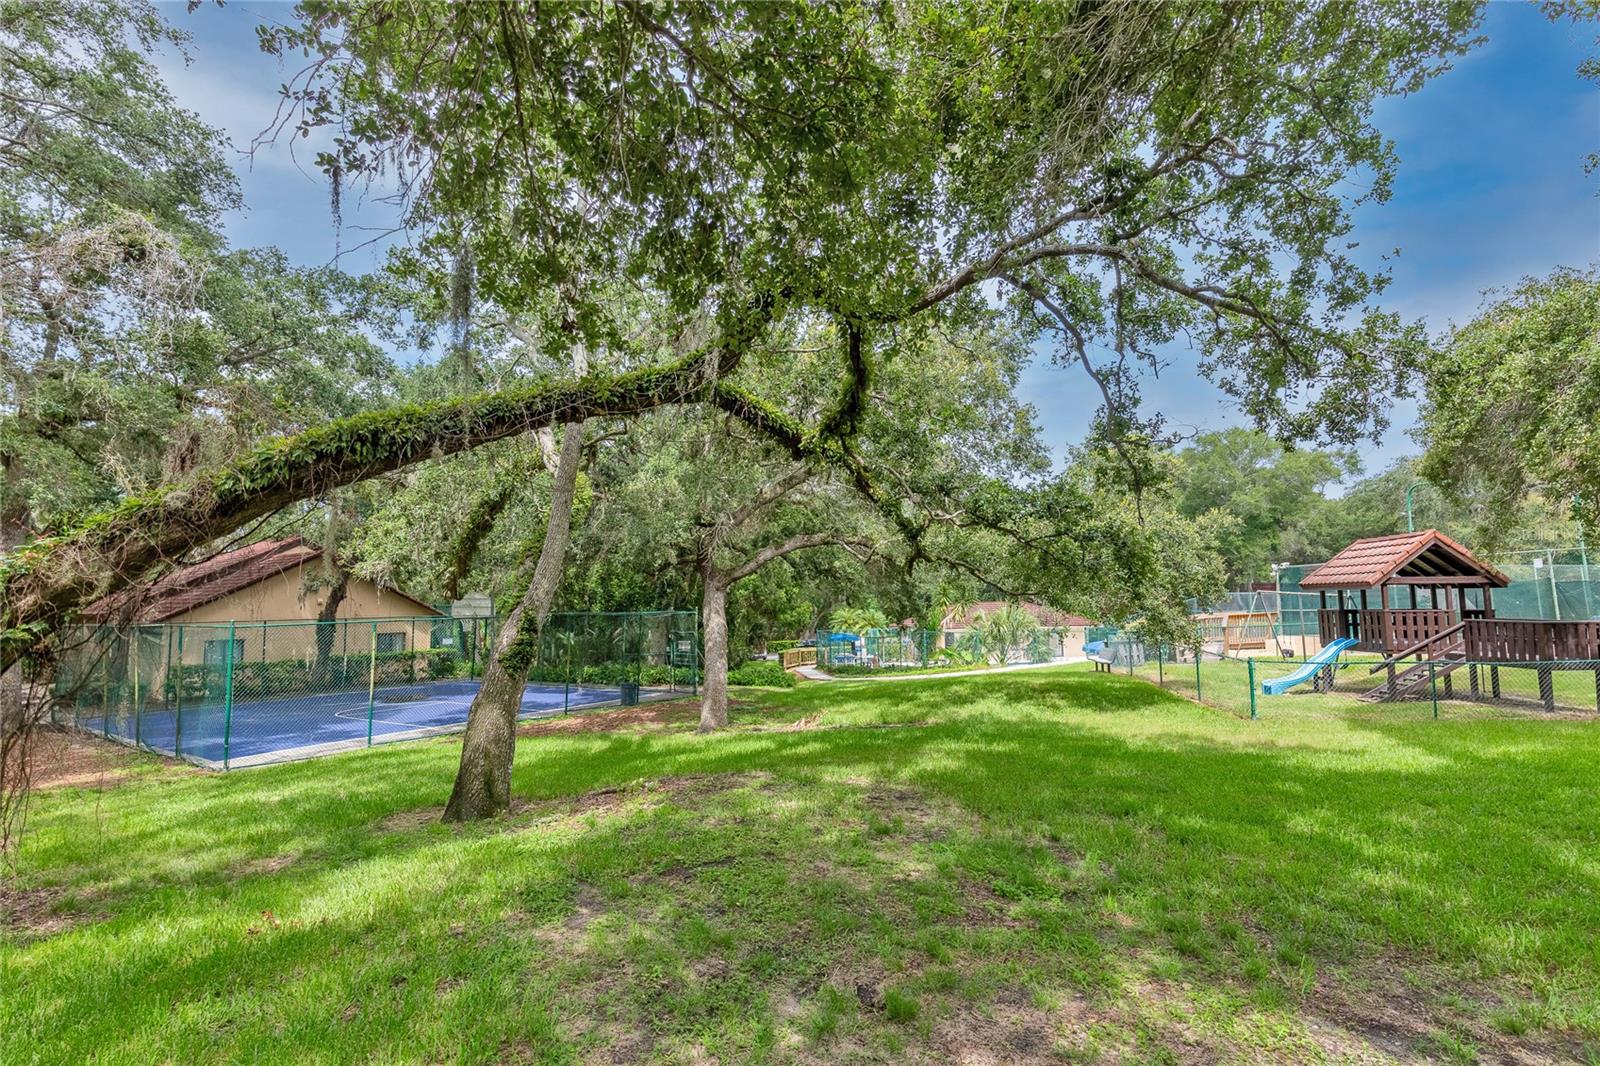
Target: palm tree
(950, 602)
(1007, 633)
(857, 620)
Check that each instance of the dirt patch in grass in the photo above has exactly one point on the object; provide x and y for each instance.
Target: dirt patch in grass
(62, 758)
(645, 793)
(401, 821)
(529, 814)
(665, 716)
(36, 913)
(567, 934)
(266, 864)
(1407, 1010)
(1006, 1032)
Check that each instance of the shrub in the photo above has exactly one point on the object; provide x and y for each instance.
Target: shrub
(443, 662)
(275, 678)
(775, 646)
(610, 674)
(761, 672)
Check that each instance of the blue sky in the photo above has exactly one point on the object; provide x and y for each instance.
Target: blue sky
(1491, 188)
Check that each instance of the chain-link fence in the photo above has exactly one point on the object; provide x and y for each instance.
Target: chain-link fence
(241, 694)
(1368, 685)
(903, 649)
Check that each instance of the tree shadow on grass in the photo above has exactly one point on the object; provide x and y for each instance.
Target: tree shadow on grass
(1455, 842)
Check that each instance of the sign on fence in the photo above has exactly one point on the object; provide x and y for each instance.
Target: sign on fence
(472, 605)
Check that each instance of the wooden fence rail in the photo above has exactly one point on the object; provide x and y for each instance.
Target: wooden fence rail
(794, 657)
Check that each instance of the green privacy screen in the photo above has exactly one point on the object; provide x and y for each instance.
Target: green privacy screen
(1555, 585)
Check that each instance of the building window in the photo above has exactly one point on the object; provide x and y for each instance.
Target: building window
(217, 652)
(389, 643)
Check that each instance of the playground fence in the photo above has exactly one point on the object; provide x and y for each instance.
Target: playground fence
(888, 649)
(1351, 686)
(246, 693)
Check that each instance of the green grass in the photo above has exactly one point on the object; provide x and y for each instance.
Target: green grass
(1052, 862)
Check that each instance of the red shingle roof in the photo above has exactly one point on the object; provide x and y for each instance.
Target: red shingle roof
(208, 581)
(1370, 562)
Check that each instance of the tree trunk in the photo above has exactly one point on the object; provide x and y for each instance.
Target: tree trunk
(327, 620)
(14, 517)
(483, 781)
(714, 617)
(338, 584)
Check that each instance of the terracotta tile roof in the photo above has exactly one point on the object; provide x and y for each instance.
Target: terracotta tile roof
(1046, 616)
(208, 581)
(1369, 562)
(205, 582)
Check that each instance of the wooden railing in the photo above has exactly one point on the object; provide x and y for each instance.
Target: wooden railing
(1334, 623)
(1366, 625)
(794, 657)
(1521, 640)
(1416, 627)
(1428, 647)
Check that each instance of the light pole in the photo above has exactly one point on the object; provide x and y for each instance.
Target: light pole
(1280, 630)
(1411, 527)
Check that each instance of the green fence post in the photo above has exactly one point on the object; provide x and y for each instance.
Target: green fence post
(372, 682)
(1197, 654)
(177, 725)
(694, 657)
(227, 701)
(1161, 677)
(138, 706)
(105, 693)
(1433, 687)
(1250, 668)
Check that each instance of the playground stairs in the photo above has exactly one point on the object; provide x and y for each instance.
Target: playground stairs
(1412, 682)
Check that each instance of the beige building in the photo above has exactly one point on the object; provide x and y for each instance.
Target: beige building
(1068, 629)
(260, 587)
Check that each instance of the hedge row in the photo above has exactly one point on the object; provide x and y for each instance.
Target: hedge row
(611, 674)
(761, 672)
(933, 667)
(297, 677)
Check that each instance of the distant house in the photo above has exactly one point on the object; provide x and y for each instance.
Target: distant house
(260, 584)
(1070, 628)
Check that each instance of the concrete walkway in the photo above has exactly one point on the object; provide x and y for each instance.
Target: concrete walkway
(811, 673)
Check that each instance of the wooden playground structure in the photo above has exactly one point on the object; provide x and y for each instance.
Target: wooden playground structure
(1456, 628)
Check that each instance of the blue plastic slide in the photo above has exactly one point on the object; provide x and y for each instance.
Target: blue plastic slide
(1320, 661)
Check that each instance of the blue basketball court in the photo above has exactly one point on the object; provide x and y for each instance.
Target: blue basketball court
(256, 732)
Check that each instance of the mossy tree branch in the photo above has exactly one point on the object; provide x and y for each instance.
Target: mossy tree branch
(45, 583)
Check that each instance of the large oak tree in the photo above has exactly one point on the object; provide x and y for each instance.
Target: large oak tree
(1121, 173)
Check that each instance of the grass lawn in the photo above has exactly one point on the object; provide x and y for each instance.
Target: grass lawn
(1041, 866)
